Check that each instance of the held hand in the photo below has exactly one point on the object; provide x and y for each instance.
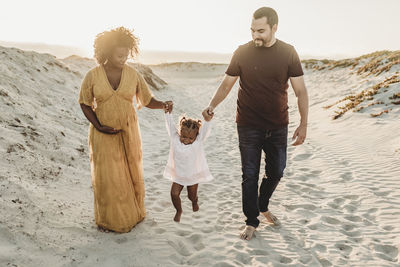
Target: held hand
(168, 106)
(208, 113)
(108, 130)
(300, 135)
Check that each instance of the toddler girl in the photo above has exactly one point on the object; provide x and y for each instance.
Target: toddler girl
(187, 165)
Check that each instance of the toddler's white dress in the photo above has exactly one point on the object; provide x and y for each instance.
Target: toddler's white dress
(187, 164)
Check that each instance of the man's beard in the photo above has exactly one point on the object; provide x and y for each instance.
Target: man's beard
(259, 42)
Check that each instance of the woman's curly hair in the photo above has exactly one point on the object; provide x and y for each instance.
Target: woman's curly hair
(106, 41)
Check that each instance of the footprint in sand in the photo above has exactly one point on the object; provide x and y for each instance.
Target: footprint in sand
(158, 208)
(197, 242)
(345, 248)
(300, 157)
(325, 262)
(356, 233)
(352, 197)
(347, 176)
(305, 259)
(350, 208)
(348, 227)
(388, 228)
(223, 264)
(319, 248)
(242, 257)
(300, 206)
(316, 172)
(260, 252)
(183, 232)
(382, 194)
(313, 226)
(353, 218)
(121, 240)
(388, 252)
(160, 230)
(330, 220)
(180, 247)
(285, 260)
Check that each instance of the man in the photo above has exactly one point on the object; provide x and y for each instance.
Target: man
(264, 66)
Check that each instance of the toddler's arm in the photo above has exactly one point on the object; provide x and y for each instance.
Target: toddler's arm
(169, 123)
(205, 130)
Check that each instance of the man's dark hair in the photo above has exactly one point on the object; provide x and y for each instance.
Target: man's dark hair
(269, 13)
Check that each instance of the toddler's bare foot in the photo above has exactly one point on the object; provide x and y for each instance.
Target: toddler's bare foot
(195, 206)
(271, 218)
(177, 217)
(248, 232)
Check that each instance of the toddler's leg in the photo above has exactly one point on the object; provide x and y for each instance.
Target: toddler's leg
(176, 200)
(192, 194)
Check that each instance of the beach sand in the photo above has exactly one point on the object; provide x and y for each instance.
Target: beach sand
(338, 202)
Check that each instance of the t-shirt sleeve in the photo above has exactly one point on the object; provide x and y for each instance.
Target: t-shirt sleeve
(295, 69)
(234, 67)
(86, 96)
(143, 93)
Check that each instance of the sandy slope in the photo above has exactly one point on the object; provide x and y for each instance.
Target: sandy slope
(339, 200)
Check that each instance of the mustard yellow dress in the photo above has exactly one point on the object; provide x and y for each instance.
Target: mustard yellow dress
(116, 159)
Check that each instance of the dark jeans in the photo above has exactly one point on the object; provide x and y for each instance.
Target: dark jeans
(251, 142)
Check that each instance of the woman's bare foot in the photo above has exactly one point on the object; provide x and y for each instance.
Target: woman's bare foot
(177, 217)
(248, 232)
(102, 229)
(271, 218)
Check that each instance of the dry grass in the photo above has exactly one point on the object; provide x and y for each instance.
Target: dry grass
(379, 113)
(373, 63)
(355, 100)
(395, 96)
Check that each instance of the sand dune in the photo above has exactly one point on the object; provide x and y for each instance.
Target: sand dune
(339, 200)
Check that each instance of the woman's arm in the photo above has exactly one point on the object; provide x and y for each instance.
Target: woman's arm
(91, 116)
(167, 106)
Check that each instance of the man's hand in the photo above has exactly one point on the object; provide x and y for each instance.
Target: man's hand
(300, 135)
(208, 113)
(108, 130)
(168, 106)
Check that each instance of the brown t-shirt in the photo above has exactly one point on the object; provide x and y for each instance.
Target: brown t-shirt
(264, 72)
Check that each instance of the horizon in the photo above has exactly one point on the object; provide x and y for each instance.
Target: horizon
(154, 57)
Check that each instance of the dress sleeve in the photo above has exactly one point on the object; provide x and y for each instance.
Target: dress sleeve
(169, 122)
(86, 94)
(143, 93)
(205, 130)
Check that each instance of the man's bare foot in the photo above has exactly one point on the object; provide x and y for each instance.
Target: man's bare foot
(271, 218)
(177, 217)
(248, 232)
(195, 206)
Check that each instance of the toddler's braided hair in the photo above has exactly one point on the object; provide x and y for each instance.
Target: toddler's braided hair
(190, 124)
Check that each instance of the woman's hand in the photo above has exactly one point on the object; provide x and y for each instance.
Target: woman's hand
(168, 106)
(108, 130)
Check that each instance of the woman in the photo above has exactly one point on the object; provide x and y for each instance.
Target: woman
(106, 99)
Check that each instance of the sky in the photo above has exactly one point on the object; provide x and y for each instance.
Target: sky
(319, 28)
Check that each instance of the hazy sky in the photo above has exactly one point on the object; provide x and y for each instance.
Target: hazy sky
(314, 27)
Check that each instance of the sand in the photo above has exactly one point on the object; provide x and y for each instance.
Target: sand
(338, 202)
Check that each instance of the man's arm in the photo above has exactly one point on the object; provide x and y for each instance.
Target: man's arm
(300, 90)
(223, 90)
